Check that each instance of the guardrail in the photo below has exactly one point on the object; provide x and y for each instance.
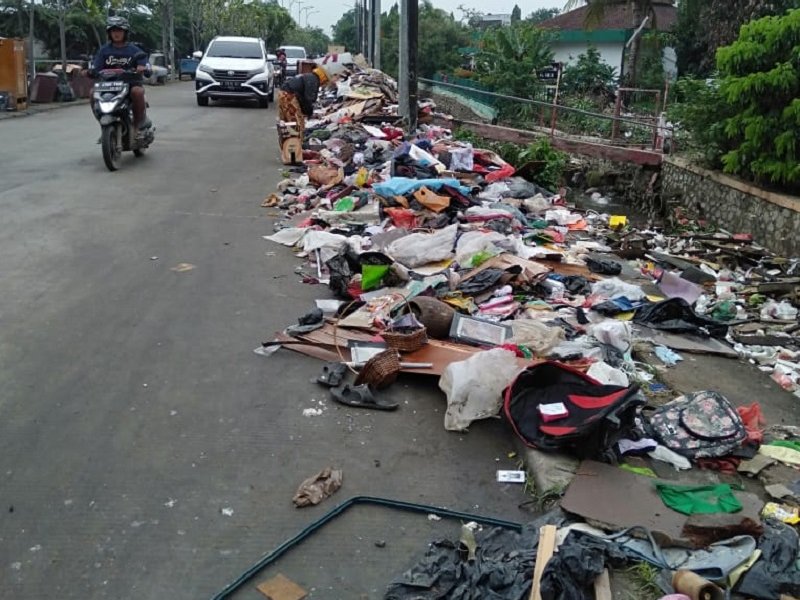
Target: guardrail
(554, 119)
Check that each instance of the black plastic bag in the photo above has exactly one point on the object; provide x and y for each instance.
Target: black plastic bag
(676, 316)
(340, 275)
(776, 572)
(604, 266)
(481, 282)
(577, 284)
(570, 574)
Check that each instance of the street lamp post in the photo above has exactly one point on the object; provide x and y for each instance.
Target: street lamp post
(309, 10)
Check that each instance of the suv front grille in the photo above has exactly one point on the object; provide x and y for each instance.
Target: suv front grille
(225, 75)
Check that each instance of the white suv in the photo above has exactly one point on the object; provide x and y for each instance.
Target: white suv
(293, 55)
(235, 67)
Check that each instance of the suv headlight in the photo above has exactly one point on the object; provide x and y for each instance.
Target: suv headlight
(205, 69)
(257, 75)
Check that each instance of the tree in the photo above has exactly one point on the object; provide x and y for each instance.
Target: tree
(516, 14)
(541, 15)
(590, 75)
(640, 9)
(760, 80)
(472, 17)
(313, 39)
(697, 43)
(345, 31)
(511, 56)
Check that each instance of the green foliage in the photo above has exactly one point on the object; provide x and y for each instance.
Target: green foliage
(313, 39)
(516, 14)
(345, 31)
(541, 15)
(590, 75)
(511, 56)
(761, 83)
(580, 123)
(440, 37)
(697, 111)
(553, 162)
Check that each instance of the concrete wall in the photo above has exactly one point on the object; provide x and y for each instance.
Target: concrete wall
(737, 206)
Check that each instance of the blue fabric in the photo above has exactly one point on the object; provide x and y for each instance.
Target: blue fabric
(400, 186)
(112, 57)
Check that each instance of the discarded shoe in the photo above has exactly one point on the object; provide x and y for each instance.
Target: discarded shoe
(332, 374)
(359, 396)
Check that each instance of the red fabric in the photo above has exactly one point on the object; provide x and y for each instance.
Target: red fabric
(514, 348)
(506, 171)
(597, 401)
(556, 430)
(402, 217)
(723, 465)
(754, 422)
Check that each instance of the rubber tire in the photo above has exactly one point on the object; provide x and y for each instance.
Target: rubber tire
(111, 158)
(272, 95)
(202, 101)
(139, 152)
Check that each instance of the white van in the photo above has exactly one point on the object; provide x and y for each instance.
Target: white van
(293, 55)
(235, 67)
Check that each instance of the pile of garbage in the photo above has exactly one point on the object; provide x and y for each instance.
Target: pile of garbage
(444, 262)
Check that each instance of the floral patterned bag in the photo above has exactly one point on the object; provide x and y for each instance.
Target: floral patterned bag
(698, 425)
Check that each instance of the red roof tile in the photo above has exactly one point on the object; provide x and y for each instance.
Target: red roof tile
(615, 17)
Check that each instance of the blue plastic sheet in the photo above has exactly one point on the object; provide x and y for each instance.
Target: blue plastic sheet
(400, 186)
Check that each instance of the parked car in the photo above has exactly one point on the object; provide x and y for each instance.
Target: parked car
(187, 66)
(235, 68)
(159, 72)
(294, 54)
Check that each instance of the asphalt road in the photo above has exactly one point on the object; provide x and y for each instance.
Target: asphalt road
(145, 451)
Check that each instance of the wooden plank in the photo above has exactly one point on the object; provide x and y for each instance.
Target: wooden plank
(544, 552)
(281, 587)
(602, 587)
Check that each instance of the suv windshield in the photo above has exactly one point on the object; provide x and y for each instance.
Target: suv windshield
(235, 49)
(295, 52)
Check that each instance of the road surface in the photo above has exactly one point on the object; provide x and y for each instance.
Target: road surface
(145, 451)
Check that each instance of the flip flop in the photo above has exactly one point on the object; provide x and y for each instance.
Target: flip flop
(359, 396)
(332, 374)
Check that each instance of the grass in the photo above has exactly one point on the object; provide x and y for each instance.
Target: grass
(642, 577)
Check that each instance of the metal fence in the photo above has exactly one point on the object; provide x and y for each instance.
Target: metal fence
(634, 120)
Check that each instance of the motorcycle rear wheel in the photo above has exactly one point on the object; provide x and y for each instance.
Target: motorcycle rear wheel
(112, 152)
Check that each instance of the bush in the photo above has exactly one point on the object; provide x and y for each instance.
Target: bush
(589, 76)
(697, 111)
(761, 83)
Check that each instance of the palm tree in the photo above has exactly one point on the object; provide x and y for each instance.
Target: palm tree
(640, 9)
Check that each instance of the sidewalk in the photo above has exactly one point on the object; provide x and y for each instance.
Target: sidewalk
(35, 109)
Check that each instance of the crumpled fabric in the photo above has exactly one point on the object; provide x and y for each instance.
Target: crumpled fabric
(570, 574)
(676, 316)
(776, 572)
(400, 186)
(481, 282)
(502, 568)
(315, 489)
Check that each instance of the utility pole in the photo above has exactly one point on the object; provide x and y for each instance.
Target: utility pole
(31, 58)
(409, 31)
(62, 16)
(171, 63)
(370, 29)
(364, 21)
(376, 36)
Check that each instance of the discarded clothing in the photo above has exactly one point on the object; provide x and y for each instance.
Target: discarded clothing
(776, 572)
(315, 489)
(676, 315)
(699, 499)
(400, 186)
(570, 574)
(790, 456)
(604, 266)
(502, 569)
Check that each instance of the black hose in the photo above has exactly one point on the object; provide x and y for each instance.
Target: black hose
(329, 516)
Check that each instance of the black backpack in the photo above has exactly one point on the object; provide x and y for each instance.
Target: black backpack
(599, 415)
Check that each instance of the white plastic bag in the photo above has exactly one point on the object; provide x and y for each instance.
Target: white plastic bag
(473, 242)
(616, 288)
(462, 159)
(614, 333)
(608, 375)
(420, 249)
(536, 335)
(474, 386)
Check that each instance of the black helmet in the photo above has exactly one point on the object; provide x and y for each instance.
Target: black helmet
(118, 23)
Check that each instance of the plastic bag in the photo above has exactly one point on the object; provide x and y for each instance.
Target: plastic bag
(754, 422)
(614, 333)
(420, 249)
(473, 242)
(474, 386)
(615, 287)
(536, 335)
(608, 375)
(461, 159)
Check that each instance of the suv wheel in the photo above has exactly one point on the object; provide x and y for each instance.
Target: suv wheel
(263, 102)
(202, 101)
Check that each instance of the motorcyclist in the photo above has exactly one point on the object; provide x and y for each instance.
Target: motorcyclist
(119, 53)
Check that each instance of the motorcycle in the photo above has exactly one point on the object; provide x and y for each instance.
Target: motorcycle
(113, 109)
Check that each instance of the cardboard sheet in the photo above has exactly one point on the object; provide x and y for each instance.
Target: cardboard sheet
(687, 343)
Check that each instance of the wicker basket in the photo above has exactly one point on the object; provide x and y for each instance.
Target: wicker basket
(406, 339)
(381, 370)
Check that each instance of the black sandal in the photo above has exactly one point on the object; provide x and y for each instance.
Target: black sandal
(332, 374)
(359, 396)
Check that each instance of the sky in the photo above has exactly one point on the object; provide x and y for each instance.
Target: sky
(329, 12)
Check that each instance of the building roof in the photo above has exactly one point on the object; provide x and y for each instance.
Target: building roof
(619, 16)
